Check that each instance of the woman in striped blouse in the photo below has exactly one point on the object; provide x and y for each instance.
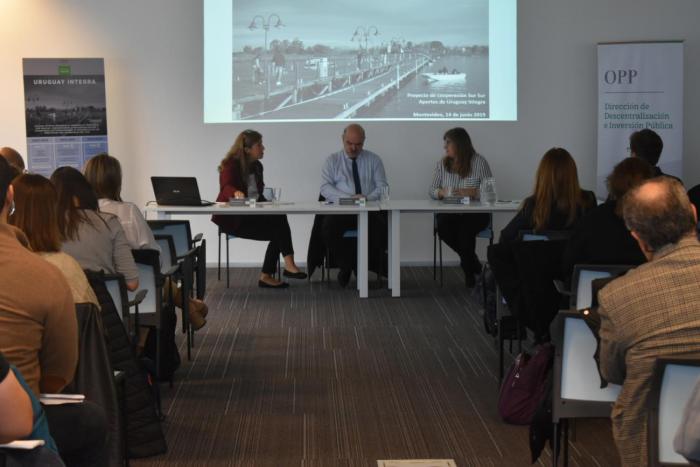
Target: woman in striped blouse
(460, 173)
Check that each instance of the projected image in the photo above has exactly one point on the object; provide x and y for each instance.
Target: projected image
(360, 59)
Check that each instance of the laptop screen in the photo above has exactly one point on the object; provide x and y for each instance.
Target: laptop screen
(176, 191)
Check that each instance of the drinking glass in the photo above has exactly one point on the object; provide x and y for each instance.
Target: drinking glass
(276, 195)
(488, 191)
(448, 191)
(384, 194)
(251, 202)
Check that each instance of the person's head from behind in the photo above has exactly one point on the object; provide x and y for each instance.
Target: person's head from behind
(13, 158)
(658, 213)
(104, 173)
(7, 173)
(74, 193)
(646, 144)
(248, 147)
(627, 174)
(353, 140)
(35, 212)
(556, 184)
(458, 151)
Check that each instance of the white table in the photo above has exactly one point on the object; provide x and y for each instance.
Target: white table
(395, 208)
(164, 212)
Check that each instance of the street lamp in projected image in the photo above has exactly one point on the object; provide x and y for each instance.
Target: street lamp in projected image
(363, 33)
(265, 24)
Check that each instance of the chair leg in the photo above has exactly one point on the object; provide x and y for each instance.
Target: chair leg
(434, 255)
(565, 427)
(228, 284)
(218, 264)
(555, 444)
(440, 247)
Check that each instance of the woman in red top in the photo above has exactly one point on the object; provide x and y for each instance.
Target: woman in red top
(241, 176)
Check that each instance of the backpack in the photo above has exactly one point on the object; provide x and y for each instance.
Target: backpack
(525, 385)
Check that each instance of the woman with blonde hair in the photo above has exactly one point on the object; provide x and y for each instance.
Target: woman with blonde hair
(241, 176)
(558, 200)
(35, 215)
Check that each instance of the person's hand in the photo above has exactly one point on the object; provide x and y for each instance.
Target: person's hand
(471, 192)
(238, 194)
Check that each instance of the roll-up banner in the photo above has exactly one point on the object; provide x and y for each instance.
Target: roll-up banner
(65, 110)
(640, 85)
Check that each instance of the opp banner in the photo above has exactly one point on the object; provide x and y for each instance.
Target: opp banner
(640, 85)
(65, 109)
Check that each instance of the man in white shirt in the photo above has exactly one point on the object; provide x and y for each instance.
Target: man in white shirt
(353, 173)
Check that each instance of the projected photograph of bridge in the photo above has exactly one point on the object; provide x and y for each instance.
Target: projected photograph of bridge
(289, 66)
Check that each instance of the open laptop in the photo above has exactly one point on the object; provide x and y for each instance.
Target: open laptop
(177, 191)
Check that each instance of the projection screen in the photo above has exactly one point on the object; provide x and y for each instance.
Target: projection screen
(275, 60)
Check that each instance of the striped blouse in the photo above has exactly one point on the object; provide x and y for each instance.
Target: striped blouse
(442, 178)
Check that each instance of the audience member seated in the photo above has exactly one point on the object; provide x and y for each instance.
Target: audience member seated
(35, 215)
(40, 337)
(694, 195)
(356, 173)
(241, 177)
(524, 270)
(601, 236)
(647, 144)
(104, 173)
(13, 158)
(558, 201)
(460, 173)
(652, 310)
(95, 239)
(17, 417)
(23, 418)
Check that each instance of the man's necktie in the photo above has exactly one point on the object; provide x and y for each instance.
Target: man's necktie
(356, 177)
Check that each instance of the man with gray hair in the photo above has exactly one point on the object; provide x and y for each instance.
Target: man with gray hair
(653, 310)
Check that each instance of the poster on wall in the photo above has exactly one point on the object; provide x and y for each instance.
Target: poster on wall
(640, 86)
(65, 112)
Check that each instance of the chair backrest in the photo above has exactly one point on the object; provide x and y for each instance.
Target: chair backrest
(150, 279)
(167, 251)
(577, 392)
(584, 275)
(179, 230)
(116, 286)
(672, 384)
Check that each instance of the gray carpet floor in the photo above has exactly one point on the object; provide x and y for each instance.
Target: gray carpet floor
(315, 376)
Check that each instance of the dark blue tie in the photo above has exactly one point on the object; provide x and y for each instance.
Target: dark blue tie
(356, 177)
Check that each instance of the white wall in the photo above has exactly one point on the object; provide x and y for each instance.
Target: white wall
(153, 58)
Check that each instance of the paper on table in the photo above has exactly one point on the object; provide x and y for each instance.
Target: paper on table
(24, 444)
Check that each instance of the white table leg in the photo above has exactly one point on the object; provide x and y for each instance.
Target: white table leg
(362, 254)
(395, 252)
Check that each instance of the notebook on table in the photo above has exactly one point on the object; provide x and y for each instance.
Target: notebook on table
(177, 191)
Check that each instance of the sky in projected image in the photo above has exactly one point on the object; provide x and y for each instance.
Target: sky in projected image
(334, 23)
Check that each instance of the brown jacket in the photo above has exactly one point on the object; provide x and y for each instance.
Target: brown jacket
(652, 311)
(38, 325)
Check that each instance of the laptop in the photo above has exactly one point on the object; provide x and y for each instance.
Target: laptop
(177, 191)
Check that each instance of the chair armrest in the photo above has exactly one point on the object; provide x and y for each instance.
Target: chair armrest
(561, 288)
(138, 298)
(192, 253)
(172, 270)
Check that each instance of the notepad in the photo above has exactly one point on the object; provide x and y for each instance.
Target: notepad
(60, 399)
(24, 444)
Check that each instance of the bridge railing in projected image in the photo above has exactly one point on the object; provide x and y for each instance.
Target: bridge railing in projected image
(261, 88)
